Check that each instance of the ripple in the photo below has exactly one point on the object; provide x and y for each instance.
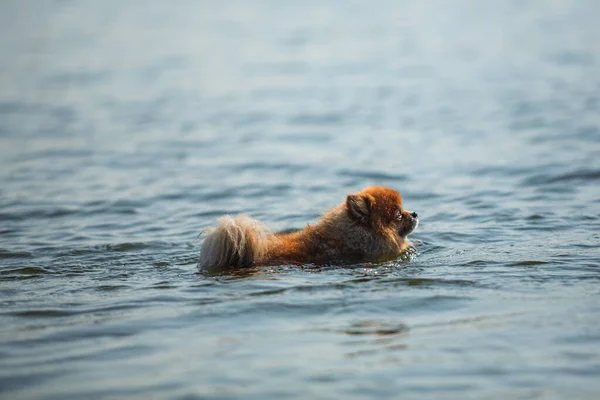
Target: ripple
(301, 288)
(38, 214)
(527, 263)
(128, 246)
(372, 175)
(24, 273)
(14, 254)
(125, 247)
(459, 237)
(535, 217)
(378, 328)
(501, 171)
(16, 381)
(266, 166)
(429, 282)
(164, 285)
(111, 288)
(581, 175)
(42, 313)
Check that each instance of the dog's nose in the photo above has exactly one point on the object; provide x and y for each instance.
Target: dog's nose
(414, 215)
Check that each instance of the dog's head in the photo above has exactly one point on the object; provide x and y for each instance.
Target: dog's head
(380, 208)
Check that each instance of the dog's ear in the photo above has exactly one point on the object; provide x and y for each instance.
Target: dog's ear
(360, 206)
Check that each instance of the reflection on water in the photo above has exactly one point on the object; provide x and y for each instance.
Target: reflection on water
(126, 129)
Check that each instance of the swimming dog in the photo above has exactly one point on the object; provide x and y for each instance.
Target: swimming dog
(370, 226)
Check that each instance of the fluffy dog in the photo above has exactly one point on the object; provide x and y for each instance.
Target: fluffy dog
(369, 226)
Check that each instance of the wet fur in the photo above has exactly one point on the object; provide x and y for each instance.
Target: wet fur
(364, 228)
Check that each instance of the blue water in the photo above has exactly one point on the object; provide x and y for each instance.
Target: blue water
(128, 127)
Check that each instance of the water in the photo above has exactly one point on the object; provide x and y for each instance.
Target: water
(128, 127)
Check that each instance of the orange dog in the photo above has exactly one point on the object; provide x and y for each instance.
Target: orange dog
(369, 226)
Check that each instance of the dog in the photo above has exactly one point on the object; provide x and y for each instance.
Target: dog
(370, 226)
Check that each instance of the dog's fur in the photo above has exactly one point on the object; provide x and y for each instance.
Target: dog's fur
(369, 226)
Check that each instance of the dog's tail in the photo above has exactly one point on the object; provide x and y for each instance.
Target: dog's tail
(234, 242)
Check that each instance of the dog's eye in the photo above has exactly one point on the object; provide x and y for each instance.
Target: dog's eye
(399, 215)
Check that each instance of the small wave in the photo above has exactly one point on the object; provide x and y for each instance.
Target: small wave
(220, 195)
(429, 282)
(470, 321)
(582, 175)
(37, 214)
(267, 166)
(415, 196)
(246, 191)
(132, 246)
(24, 273)
(161, 264)
(528, 263)
(101, 249)
(128, 246)
(451, 236)
(14, 254)
(501, 171)
(110, 288)
(535, 217)
(300, 288)
(164, 285)
(59, 212)
(41, 313)
(211, 214)
(378, 328)
(372, 175)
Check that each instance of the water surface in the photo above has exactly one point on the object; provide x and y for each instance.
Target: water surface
(126, 128)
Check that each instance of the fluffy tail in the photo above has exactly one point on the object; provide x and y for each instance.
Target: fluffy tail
(234, 242)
